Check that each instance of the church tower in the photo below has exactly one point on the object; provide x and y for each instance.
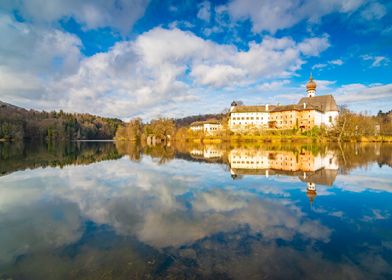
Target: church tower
(311, 192)
(311, 87)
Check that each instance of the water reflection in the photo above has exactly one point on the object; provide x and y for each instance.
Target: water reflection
(175, 212)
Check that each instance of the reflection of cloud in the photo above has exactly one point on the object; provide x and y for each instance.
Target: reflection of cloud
(377, 214)
(40, 226)
(217, 201)
(150, 202)
(184, 205)
(356, 183)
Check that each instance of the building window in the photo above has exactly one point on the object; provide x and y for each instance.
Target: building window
(330, 119)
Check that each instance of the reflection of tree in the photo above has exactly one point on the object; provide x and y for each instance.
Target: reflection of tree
(132, 149)
(164, 153)
(19, 156)
(354, 155)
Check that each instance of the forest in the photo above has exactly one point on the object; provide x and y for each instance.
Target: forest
(20, 124)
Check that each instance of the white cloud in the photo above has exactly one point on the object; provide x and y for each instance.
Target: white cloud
(374, 11)
(377, 61)
(336, 62)
(273, 15)
(274, 85)
(329, 64)
(119, 14)
(319, 66)
(204, 12)
(353, 93)
(155, 74)
(33, 57)
(151, 70)
(217, 75)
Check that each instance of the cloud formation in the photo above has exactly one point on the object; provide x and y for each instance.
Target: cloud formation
(154, 72)
(274, 15)
(164, 70)
(92, 14)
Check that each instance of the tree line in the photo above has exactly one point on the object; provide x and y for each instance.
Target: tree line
(350, 125)
(136, 130)
(20, 124)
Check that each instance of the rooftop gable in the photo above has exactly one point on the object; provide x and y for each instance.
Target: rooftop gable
(324, 103)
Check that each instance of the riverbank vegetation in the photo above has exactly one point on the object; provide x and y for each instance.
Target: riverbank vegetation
(349, 127)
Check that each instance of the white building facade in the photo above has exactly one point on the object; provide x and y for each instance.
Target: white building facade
(308, 112)
(207, 127)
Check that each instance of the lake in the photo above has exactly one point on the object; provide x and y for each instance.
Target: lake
(110, 210)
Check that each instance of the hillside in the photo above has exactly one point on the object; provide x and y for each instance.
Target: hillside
(17, 124)
(183, 122)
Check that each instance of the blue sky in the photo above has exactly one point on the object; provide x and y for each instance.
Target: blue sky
(176, 58)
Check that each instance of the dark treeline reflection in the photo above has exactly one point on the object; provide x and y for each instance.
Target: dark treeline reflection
(237, 157)
(22, 155)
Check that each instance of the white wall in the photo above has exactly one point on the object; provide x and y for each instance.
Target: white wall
(197, 128)
(318, 118)
(212, 128)
(243, 159)
(258, 119)
(326, 121)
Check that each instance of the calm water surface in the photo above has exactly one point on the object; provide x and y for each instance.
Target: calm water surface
(122, 211)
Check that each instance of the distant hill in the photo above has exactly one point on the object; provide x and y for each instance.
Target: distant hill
(182, 122)
(17, 123)
(7, 105)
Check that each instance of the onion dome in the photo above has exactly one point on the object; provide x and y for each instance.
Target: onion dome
(311, 194)
(311, 85)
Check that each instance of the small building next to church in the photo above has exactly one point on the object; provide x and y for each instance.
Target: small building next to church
(208, 127)
(310, 111)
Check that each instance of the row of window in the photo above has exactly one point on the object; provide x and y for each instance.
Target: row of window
(247, 118)
(280, 122)
(248, 162)
(234, 123)
(257, 118)
(258, 162)
(281, 117)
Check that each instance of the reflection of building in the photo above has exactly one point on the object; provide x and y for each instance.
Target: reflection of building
(308, 112)
(311, 192)
(207, 152)
(309, 168)
(208, 127)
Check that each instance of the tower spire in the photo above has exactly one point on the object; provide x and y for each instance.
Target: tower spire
(311, 86)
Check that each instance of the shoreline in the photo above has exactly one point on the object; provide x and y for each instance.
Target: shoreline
(248, 138)
(293, 139)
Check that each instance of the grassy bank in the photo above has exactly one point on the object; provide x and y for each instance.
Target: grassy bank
(282, 138)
